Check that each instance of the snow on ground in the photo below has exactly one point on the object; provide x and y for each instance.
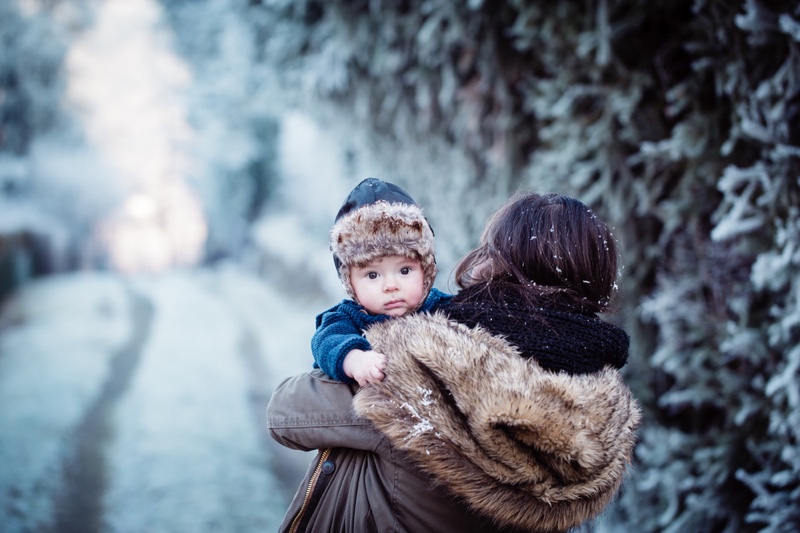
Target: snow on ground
(186, 457)
(56, 340)
(137, 404)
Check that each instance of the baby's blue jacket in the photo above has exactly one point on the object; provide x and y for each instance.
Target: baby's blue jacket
(340, 329)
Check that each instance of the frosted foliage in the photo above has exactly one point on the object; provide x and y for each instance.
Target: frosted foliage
(52, 185)
(234, 132)
(748, 367)
(649, 506)
(30, 58)
(343, 55)
(738, 213)
(791, 26)
(334, 63)
(773, 270)
(775, 503)
(784, 389)
(676, 122)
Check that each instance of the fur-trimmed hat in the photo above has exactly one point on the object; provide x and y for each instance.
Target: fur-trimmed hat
(376, 220)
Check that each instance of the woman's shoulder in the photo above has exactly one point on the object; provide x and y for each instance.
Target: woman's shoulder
(449, 383)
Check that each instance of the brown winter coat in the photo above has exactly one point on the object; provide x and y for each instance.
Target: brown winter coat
(521, 447)
(367, 485)
(534, 450)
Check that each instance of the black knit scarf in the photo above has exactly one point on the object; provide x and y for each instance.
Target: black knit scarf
(559, 338)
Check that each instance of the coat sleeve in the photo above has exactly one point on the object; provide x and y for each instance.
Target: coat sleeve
(335, 336)
(312, 411)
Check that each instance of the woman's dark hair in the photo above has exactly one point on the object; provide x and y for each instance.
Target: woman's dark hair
(546, 245)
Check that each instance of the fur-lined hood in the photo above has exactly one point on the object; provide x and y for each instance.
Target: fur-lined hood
(531, 449)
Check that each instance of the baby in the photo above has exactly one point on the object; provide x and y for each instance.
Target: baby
(383, 250)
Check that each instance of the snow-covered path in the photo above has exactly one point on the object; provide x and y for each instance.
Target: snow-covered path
(137, 404)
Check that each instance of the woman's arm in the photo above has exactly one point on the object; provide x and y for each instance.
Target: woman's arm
(312, 411)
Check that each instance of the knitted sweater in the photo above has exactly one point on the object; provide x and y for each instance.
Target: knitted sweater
(557, 337)
(340, 329)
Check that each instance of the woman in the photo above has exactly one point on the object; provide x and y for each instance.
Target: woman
(504, 411)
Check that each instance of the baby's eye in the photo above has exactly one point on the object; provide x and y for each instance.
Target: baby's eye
(372, 275)
(405, 271)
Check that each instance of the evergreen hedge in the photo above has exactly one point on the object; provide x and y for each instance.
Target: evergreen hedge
(678, 120)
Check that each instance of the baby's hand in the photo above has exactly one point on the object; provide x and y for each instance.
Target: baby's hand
(364, 367)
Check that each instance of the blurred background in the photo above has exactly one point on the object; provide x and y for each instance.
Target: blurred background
(169, 170)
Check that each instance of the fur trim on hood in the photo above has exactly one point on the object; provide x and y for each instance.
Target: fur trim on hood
(531, 449)
(378, 230)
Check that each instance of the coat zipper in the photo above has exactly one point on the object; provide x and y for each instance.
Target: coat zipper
(314, 477)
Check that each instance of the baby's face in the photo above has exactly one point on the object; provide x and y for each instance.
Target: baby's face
(391, 285)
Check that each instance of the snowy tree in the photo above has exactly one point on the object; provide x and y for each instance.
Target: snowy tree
(237, 132)
(30, 89)
(679, 122)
